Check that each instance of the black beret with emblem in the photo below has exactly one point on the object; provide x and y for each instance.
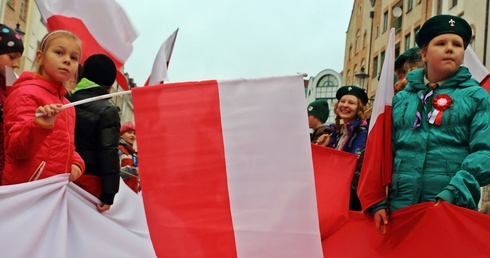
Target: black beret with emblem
(352, 90)
(442, 24)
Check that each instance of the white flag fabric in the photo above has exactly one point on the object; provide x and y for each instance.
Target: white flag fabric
(477, 69)
(378, 158)
(234, 175)
(10, 76)
(159, 72)
(54, 218)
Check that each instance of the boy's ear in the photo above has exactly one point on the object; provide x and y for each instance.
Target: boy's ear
(423, 53)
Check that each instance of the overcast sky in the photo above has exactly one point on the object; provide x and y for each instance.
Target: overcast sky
(228, 39)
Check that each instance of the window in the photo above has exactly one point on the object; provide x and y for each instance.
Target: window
(439, 7)
(376, 34)
(350, 51)
(409, 5)
(375, 66)
(415, 31)
(327, 87)
(24, 4)
(11, 3)
(453, 3)
(364, 40)
(358, 41)
(407, 41)
(382, 61)
(385, 21)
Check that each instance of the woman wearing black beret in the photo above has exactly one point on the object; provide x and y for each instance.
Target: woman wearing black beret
(349, 132)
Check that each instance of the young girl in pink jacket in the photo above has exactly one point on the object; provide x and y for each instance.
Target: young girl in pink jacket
(42, 145)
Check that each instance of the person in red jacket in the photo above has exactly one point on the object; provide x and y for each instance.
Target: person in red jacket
(39, 133)
(11, 49)
(127, 156)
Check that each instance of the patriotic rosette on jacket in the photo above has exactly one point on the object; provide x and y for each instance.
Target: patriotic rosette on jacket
(441, 103)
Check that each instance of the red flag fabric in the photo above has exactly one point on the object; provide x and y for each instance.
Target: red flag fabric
(217, 179)
(159, 72)
(102, 26)
(378, 158)
(333, 175)
(485, 83)
(421, 230)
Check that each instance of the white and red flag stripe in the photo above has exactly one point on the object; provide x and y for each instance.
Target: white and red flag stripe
(226, 168)
(102, 26)
(378, 158)
(477, 69)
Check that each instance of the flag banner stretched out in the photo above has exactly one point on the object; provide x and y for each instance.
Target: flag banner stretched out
(102, 26)
(421, 230)
(477, 69)
(159, 72)
(54, 218)
(226, 168)
(378, 158)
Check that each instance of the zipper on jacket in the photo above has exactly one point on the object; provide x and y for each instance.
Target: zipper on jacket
(403, 114)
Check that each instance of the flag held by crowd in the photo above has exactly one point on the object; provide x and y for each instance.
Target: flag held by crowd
(221, 180)
(378, 158)
(102, 26)
(159, 72)
(55, 218)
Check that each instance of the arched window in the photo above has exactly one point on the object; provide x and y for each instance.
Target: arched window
(326, 89)
(358, 41)
(364, 40)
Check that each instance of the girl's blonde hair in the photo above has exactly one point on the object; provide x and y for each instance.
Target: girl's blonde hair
(361, 109)
(46, 42)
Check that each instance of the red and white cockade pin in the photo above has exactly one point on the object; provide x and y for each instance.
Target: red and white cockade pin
(441, 102)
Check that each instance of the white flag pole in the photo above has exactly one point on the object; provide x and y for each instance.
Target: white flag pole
(83, 101)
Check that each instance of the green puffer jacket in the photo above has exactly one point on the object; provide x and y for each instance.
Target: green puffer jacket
(449, 161)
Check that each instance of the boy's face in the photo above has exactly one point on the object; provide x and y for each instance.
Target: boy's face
(11, 60)
(444, 55)
(129, 136)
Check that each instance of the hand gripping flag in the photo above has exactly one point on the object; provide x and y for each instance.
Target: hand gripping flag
(378, 158)
(102, 26)
(226, 168)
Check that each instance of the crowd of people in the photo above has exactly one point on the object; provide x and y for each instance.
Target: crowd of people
(441, 131)
(440, 125)
(41, 138)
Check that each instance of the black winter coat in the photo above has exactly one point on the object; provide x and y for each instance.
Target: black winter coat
(97, 139)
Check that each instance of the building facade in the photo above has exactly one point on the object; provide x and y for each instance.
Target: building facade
(376, 17)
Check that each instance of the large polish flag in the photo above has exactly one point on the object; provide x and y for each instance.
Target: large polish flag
(226, 168)
(477, 69)
(159, 72)
(378, 158)
(102, 26)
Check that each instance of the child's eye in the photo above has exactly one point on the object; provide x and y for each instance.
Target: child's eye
(58, 52)
(74, 58)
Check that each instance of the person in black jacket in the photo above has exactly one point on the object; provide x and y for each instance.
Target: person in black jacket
(97, 130)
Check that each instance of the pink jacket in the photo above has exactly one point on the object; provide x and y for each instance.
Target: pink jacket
(27, 143)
